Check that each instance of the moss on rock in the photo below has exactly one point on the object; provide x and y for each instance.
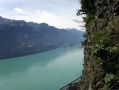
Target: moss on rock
(101, 45)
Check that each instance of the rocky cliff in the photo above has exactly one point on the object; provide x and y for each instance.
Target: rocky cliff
(101, 45)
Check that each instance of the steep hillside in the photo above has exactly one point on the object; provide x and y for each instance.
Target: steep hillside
(101, 61)
(19, 38)
(4, 20)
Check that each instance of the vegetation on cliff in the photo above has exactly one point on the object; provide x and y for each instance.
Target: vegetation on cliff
(101, 60)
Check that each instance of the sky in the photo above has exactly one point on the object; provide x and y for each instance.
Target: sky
(58, 13)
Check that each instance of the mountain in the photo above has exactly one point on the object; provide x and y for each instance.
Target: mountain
(19, 38)
(4, 20)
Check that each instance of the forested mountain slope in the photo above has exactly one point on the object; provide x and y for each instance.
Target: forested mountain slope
(19, 38)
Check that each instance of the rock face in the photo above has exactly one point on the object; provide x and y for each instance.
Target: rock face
(101, 60)
(19, 38)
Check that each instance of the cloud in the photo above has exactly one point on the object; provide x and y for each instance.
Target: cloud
(18, 10)
(58, 13)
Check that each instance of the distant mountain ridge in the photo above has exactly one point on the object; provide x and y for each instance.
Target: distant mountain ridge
(19, 38)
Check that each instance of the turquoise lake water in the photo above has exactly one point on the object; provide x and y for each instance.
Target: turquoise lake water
(49, 70)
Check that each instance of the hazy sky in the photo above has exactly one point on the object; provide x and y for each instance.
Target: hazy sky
(58, 13)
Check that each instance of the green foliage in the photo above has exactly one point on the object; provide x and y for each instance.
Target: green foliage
(101, 43)
(88, 19)
(106, 39)
(108, 78)
(88, 6)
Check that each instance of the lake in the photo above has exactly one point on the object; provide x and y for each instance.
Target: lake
(49, 70)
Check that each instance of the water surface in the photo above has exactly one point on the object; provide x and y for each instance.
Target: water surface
(49, 70)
